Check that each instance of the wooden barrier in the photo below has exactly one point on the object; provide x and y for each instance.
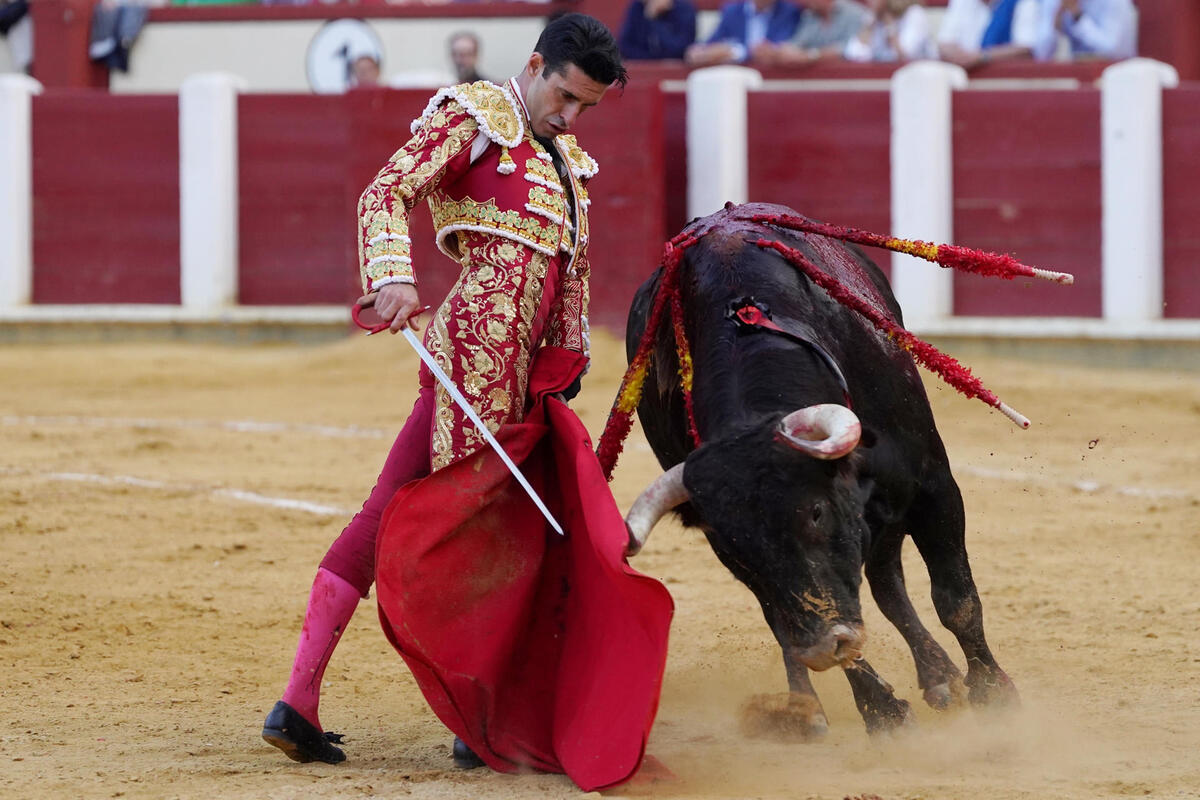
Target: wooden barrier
(296, 232)
(1181, 202)
(1027, 182)
(825, 154)
(105, 198)
(1027, 174)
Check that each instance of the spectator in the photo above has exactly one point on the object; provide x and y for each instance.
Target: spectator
(744, 25)
(16, 26)
(365, 71)
(464, 53)
(656, 29)
(976, 32)
(897, 30)
(825, 28)
(1095, 28)
(116, 25)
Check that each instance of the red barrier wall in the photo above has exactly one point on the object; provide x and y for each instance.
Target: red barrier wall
(825, 154)
(1027, 177)
(1027, 182)
(1181, 202)
(293, 225)
(627, 216)
(675, 156)
(105, 198)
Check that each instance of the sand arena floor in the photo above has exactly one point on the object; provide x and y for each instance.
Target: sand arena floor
(151, 593)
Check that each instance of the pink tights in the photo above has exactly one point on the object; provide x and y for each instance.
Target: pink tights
(352, 555)
(348, 569)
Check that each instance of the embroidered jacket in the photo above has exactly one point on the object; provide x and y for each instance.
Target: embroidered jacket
(502, 210)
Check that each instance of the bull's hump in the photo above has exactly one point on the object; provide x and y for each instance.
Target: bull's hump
(835, 259)
(733, 227)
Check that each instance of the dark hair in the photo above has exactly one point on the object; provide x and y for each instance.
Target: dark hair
(585, 42)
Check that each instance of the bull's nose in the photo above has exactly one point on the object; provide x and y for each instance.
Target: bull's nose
(847, 643)
(840, 645)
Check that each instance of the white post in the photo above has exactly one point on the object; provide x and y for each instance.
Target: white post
(1131, 146)
(718, 153)
(923, 182)
(16, 189)
(208, 191)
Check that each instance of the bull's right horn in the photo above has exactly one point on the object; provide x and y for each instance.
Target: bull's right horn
(664, 494)
(825, 431)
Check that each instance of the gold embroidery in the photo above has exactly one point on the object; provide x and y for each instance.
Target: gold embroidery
(411, 174)
(568, 327)
(542, 169)
(451, 215)
(582, 165)
(530, 300)
(494, 109)
(541, 197)
(488, 321)
(443, 417)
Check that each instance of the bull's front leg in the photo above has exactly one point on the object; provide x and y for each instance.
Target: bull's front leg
(937, 525)
(876, 700)
(940, 681)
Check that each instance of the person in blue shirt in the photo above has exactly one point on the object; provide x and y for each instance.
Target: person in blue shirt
(1092, 28)
(744, 25)
(657, 29)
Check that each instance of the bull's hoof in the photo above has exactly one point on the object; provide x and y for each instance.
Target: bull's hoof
(790, 717)
(992, 688)
(946, 695)
(887, 717)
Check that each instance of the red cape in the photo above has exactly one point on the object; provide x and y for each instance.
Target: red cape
(540, 651)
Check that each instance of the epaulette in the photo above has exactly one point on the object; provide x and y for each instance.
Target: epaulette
(582, 165)
(492, 106)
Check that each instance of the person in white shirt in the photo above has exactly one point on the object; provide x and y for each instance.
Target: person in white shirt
(898, 30)
(961, 39)
(1095, 28)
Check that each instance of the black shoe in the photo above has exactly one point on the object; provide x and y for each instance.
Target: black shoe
(299, 739)
(464, 757)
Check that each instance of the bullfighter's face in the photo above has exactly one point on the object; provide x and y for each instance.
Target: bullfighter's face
(556, 99)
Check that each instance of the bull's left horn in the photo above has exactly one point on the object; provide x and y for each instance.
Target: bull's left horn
(825, 431)
(664, 494)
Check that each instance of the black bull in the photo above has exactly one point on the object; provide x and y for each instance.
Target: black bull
(798, 530)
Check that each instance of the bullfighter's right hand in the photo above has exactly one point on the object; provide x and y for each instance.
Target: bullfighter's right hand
(396, 303)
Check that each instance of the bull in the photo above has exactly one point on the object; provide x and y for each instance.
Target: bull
(817, 455)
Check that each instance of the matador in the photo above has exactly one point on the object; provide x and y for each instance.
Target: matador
(506, 185)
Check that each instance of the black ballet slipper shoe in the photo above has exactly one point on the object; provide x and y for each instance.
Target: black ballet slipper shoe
(299, 739)
(464, 757)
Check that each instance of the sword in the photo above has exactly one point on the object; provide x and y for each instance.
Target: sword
(467, 409)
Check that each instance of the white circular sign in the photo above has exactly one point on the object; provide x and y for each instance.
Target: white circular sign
(333, 51)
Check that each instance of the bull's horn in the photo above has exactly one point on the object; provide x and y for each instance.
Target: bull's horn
(825, 431)
(664, 494)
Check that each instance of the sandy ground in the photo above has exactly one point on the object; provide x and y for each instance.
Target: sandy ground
(148, 614)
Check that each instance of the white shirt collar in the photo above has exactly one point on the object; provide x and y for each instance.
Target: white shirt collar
(516, 90)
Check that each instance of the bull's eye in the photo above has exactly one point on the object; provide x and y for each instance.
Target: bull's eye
(816, 513)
